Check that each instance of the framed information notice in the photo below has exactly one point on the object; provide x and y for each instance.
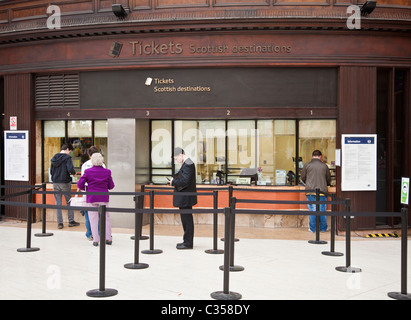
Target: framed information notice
(359, 162)
(16, 155)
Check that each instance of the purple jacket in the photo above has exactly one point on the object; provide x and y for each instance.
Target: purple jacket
(98, 180)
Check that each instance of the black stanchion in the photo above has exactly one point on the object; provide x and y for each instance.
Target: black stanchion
(152, 250)
(233, 267)
(43, 216)
(317, 221)
(230, 196)
(215, 250)
(226, 294)
(137, 226)
(348, 268)
(141, 237)
(28, 247)
(332, 242)
(102, 291)
(403, 295)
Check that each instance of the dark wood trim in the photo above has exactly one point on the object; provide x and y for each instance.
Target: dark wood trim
(187, 113)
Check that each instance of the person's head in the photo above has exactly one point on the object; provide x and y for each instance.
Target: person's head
(97, 160)
(179, 155)
(92, 150)
(66, 148)
(317, 154)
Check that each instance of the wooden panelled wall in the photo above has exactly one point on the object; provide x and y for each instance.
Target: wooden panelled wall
(18, 102)
(357, 114)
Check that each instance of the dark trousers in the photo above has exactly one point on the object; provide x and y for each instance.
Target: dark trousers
(188, 227)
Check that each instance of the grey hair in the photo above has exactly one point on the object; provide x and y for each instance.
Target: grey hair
(97, 159)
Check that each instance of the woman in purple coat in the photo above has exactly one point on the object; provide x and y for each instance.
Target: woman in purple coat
(97, 179)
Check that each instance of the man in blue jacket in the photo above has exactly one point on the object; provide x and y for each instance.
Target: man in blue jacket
(185, 181)
(60, 170)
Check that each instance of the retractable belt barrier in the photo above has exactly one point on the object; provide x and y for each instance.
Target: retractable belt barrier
(229, 213)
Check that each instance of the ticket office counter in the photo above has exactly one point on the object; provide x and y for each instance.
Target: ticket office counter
(241, 192)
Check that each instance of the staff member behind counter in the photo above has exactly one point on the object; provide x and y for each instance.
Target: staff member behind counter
(185, 181)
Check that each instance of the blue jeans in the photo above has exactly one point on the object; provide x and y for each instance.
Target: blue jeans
(88, 226)
(312, 207)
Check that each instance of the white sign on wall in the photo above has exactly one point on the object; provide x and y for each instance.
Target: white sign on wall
(359, 162)
(16, 155)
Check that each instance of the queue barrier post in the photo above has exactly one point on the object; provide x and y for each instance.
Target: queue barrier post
(102, 291)
(231, 241)
(317, 220)
(137, 227)
(332, 251)
(141, 217)
(28, 247)
(226, 294)
(43, 215)
(215, 249)
(151, 237)
(230, 197)
(403, 295)
(347, 268)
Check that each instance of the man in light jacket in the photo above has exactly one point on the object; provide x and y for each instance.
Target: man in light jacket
(316, 175)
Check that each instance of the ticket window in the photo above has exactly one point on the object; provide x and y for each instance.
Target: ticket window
(82, 134)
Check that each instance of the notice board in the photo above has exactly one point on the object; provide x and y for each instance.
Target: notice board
(16, 155)
(359, 162)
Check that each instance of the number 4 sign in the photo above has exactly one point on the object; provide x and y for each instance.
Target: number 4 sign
(13, 123)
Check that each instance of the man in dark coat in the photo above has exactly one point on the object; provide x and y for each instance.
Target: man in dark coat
(185, 181)
(61, 168)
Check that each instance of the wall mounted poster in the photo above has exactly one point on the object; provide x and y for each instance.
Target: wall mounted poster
(359, 162)
(16, 155)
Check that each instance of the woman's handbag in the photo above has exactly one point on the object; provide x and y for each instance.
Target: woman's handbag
(77, 201)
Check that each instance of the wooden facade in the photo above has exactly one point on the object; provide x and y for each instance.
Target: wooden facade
(186, 34)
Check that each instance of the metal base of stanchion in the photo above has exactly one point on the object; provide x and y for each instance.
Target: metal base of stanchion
(235, 239)
(233, 268)
(28, 249)
(317, 242)
(96, 293)
(332, 254)
(136, 266)
(47, 234)
(220, 295)
(212, 251)
(141, 237)
(348, 269)
(154, 251)
(399, 295)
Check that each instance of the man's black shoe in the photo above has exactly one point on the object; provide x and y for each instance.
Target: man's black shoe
(181, 246)
(73, 224)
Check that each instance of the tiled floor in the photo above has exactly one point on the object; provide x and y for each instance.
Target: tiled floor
(67, 266)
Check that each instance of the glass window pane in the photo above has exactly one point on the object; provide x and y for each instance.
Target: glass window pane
(101, 128)
(186, 137)
(161, 133)
(318, 135)
(242, 149)
(276, 148)
(54, 134)
(101, 138)
(79, 135)
(211, 151)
